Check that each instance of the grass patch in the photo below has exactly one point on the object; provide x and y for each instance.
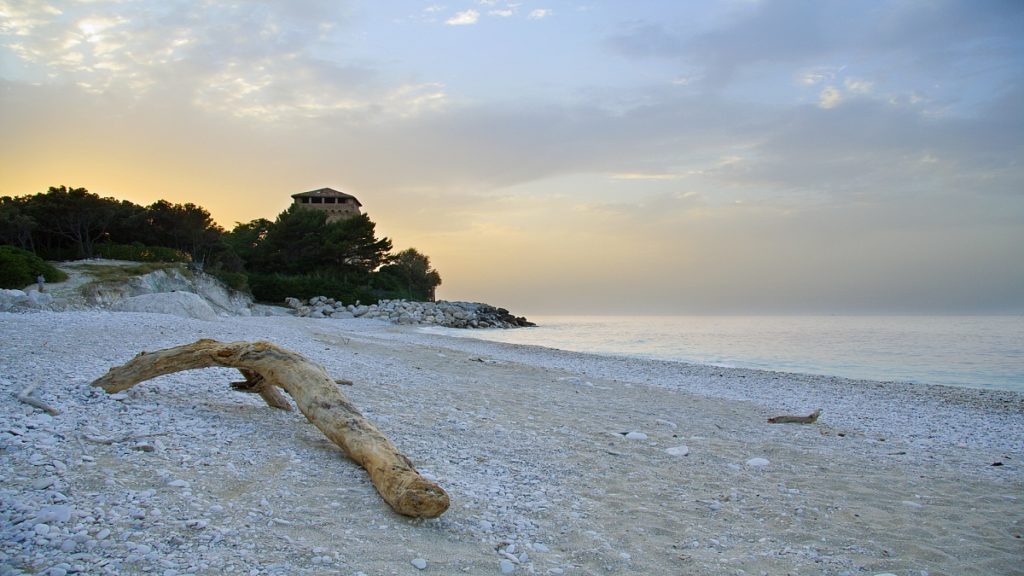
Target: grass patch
(101, 273)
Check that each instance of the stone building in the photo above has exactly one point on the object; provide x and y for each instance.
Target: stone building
(337, 205)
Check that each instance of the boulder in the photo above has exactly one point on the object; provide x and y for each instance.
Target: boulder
(37, 299)
(184, 304)
(11, 298)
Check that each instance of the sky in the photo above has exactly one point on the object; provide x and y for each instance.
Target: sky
(564, 157)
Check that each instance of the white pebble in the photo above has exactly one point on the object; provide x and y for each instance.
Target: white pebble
(102, 534)
(636, 436)
(506, 567)
(42, 529)
(178, 483)
(59, 513)
(678, 450)
(419, 563)
(758, 462)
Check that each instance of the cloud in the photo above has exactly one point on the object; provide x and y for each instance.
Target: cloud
(925, 46)
(260, 62)
(858, 85)
(807, 172)
(464, 18)
(830, 97)
(539, 14)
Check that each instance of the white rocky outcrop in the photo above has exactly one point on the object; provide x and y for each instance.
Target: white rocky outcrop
(184, 304)
(165, 290)
(10, 299)
(442, 313)
(220, 298)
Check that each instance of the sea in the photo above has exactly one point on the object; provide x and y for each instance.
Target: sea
(964, 351)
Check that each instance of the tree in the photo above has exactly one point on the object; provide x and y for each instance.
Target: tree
(410, 271)
(351, 246)
(301, 241)
(73, 214)
(16, 225)
(292, 244)
(185, 227)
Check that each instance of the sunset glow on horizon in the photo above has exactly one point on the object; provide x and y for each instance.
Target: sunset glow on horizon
(736, 156)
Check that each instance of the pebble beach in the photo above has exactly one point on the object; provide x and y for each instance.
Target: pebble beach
(556, 462)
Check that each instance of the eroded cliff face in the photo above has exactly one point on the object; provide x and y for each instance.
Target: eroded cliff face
(219, 297)
(117, 284)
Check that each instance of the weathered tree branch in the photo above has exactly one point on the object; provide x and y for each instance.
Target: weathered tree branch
(317, 396)
(811, 419)
(256, 384)
(26, 397)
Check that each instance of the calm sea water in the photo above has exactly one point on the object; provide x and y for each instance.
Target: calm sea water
(967, 351)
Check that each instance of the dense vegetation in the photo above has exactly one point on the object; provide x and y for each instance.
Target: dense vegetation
(19, 268)
(298, 254)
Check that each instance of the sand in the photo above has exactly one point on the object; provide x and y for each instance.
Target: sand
(181, 475)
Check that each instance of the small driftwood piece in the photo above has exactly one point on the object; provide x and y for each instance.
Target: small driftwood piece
(810, 419)
(26, 397)
(267, 366)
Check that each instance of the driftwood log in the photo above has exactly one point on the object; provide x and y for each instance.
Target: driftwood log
(267, 367)
(810, 419)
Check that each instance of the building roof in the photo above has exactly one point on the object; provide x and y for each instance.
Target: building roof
(326, 193)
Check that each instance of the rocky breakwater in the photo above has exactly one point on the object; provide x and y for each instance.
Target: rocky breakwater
(443, 313)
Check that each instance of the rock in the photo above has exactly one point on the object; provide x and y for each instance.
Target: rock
(37, 299)
(636, 436)
(183, 304)
(758, 462)
(171, 280)
(681, 450)
(11, 298)
(59, 513)
(447, 314)
(43, 483)
(506, 566)
(419, 563)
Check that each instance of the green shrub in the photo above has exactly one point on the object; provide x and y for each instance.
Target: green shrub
(140, 253)
(19, 268)
(274, 288)
(234, 280)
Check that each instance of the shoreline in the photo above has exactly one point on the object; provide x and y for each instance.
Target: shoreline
(910, 349)
(528, 441)
(847, 401)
